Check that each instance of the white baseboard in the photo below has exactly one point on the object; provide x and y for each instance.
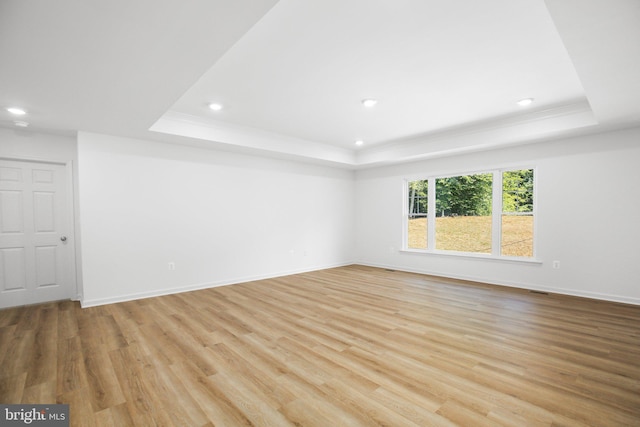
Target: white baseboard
(528, 286)
(198, 286)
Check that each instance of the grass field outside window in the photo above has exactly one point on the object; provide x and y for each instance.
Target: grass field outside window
(461, 230)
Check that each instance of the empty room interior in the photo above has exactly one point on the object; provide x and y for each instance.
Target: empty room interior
(320, 212)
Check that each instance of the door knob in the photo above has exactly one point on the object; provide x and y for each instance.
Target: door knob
(63, 238)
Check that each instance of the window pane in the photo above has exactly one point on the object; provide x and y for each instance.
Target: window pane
(417, 221)
(463, 213)
(517, 213)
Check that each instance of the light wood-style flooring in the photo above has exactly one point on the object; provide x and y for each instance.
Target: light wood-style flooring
(350, 346)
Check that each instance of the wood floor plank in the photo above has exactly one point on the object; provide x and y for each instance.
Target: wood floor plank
(18, 354)
(252, 401)
(212, 401)
(10, 316)
(40, 393)
(67, 320)
(12, 388)
(29, 317)
(100, 373)
(464, 416)
(186, 346)
(230, 357)
(314, 407)
(360, 403)
(182, 408)
(81, 410)
(72, 374)
(409, 407)
(43, 363)
(315, 412)
(144, 408)
(349, 346)
(7, 334)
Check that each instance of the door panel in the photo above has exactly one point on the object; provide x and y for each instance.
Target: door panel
(46, 266)
(35, 265)
(11, 212)
(8, 174)
(43, 212)
(42, 176)
(14, 269)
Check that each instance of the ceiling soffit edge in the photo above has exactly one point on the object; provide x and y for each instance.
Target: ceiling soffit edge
(488, 134)
(484, 135)
(185, 125)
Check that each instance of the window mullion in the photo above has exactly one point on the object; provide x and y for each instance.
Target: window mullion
(431, 214)
(496, 214)
(405, 215)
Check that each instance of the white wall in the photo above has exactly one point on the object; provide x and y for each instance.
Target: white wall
(588, 218)
(32, 145)
(220, 217)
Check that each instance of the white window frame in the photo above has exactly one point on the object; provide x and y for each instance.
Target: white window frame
(496, 219)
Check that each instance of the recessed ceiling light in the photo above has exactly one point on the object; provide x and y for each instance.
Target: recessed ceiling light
(21, 124)
(359, 142)
(215, 107)
(17, 111)
(369, 102)
(524, 102)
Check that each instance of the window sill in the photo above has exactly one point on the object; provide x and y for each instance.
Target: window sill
(472, 256)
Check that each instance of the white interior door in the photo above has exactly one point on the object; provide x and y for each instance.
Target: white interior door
(36, 263)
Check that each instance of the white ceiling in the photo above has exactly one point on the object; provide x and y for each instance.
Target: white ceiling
(291, 74)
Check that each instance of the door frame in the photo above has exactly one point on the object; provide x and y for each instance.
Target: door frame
(72, 217)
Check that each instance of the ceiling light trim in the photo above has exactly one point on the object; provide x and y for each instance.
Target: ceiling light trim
(369, 102)
(17, 111)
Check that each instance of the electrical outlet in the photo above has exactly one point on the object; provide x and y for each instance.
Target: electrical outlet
(172, 266)
(556, 264)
